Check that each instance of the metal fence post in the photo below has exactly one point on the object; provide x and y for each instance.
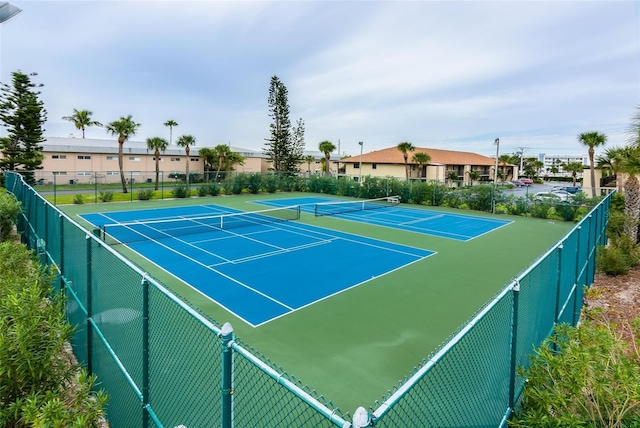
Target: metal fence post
(514, 343)
(145, 351)
(558, 283)
(576, 305)
(227, 368)
(89, 307)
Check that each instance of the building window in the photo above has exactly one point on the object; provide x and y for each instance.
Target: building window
(113, 172)
(134, 158)
(84, 157)
(59, 173)
(84, 173)
(135, 173)
(112, 157)
(58, 156)
(175, 159)
(374, 166)
(194, 159)
(159, 159)
(356, 165)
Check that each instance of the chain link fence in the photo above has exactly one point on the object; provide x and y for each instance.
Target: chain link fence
(165, 365)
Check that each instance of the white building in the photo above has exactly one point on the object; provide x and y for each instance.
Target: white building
(557, 160)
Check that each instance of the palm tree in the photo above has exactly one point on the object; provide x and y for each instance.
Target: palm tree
(504, 160)
(124, 128)
(611, 160)
(592, 140)
(574, 168)
(473, 176)
(630, 165)
(421, 158)
(453, 177)
(186, 141)
(308, 159)
(327, 147)
(157, 144)
(171, 123)
(222, 151)
(208, 156)
(81, 119)
(405, 147)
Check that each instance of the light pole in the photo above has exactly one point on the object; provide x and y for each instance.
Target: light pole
(360, 166)
(495, 176)
(7, 11)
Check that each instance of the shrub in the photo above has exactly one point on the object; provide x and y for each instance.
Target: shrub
(180, 191)
(10, 209)
(78, 199)
(35, 369)
(202, 191)
(271, 183)
(105, 196)
(582, 376)
(254, 182)
(144, 195)
(613, 260)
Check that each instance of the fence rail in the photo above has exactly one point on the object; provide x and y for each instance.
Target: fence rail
(130, 332)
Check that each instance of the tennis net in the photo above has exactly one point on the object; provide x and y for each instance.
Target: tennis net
(144, 230)
(341, 207)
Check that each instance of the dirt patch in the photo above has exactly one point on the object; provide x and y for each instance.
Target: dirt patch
(619, 300)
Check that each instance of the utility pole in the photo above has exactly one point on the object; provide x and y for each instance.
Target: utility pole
(521, 151)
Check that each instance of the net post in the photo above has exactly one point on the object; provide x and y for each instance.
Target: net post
(227, 336)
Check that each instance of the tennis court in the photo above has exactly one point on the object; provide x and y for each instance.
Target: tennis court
(453, 226)
(255, 265)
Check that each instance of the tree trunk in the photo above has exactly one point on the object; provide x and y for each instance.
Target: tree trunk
(187, 177)
(593, 176)
(157, 167)
(632, 207)
(120, 163)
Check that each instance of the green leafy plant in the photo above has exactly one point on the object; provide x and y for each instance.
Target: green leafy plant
(105, 196)
(180, 191)
(35, 367)
(78, 199)
(144, 195)
(583, 376)
(9, 210)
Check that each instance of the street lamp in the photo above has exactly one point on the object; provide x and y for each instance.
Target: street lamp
(8, 11)
(360, 166)
(497, 143)
(495, 176)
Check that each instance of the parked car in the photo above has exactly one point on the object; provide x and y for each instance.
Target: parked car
(526, 181)
(571, 189)
(518, 183)
(553, 197)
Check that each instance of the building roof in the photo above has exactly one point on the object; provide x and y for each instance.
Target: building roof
(438, 157)
(94, 145)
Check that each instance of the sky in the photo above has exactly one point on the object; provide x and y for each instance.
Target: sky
(451, 75)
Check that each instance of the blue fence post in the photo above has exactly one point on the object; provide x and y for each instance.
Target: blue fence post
(145, 351)
(514, 343)
(226, 334)
(576, 283)
(89, 307)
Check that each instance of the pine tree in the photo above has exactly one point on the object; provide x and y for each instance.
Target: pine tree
(284, 148)
(22, 113)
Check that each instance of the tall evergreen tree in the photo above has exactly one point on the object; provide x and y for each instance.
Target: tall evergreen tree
(22, 113)
(284, 148)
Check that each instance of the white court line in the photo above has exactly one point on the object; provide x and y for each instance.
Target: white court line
(420, 220)
(217, 271)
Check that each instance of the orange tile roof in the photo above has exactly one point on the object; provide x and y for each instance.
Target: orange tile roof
(445, 157)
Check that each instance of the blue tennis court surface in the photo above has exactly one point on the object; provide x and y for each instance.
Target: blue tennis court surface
(453, 226)
(257, 271)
